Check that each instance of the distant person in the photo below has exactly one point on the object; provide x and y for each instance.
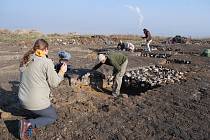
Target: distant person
(148, 38)
(125, 46)
(37, 76)
(119, 63)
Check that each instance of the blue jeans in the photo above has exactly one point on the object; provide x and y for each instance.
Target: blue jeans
(45, 117)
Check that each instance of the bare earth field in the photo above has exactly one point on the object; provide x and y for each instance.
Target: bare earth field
(179, 110)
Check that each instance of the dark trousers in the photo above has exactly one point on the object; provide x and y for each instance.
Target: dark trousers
(45, 117)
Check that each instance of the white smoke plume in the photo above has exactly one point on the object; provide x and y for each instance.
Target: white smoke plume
(138, 11)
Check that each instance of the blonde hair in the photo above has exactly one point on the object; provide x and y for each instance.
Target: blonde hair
(40, 44)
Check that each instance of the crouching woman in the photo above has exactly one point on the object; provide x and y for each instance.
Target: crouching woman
(37, 76)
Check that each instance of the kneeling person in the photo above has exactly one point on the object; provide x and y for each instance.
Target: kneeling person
(126, 46)
(37, 75)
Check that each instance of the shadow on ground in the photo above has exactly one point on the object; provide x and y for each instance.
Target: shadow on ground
(9, 102)
(12, 126)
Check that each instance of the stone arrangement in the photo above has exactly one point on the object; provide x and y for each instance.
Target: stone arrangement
(151, 76)
(141, 77)
(179, 61)
(155, 55)
(62, 42)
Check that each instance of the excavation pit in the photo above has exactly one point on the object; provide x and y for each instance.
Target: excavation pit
(136, 80)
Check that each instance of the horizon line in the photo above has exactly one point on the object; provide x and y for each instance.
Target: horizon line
(106, 34)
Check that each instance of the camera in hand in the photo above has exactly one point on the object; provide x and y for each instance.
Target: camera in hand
(58, 66)
(64, 57)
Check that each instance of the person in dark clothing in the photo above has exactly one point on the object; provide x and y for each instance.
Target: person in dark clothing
(121, 45)
(148, 38)
(119, 63)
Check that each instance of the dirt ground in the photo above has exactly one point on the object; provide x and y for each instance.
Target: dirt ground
(171, 111)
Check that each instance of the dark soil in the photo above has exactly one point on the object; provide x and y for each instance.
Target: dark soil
(172, 111)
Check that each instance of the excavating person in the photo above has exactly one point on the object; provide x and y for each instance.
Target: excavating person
(125, 46)
(119, 63)
(148, 38)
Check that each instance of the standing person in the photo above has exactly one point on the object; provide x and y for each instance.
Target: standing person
(37, 76)
(119, 63)
(148, 38)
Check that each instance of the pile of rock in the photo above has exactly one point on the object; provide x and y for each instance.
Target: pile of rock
(179, 39)
(79, 77)
(62, 42)
(155, 55)
(151, 76)
(179, 61)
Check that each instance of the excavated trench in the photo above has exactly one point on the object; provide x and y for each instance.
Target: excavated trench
(135, 81)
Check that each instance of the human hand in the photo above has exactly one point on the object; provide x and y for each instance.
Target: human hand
(63, 68)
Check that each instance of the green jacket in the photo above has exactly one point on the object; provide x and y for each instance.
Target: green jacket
(113, 59)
